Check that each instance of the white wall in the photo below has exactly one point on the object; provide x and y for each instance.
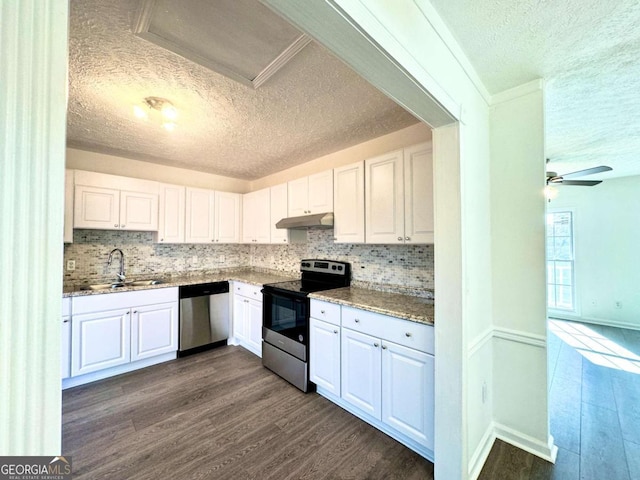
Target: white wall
(607, 257)
(33, 84)
(127, 167)
(518, 276)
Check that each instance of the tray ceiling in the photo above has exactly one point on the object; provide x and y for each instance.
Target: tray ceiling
(312, 106)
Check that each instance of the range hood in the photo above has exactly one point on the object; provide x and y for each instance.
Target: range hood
(319, 220)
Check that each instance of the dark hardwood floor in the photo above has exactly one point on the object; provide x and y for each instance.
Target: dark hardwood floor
(221, 415)
(594, 404)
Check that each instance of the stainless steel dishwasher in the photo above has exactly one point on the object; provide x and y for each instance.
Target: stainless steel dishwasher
(204, 317)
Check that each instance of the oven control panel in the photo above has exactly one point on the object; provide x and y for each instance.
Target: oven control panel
(324, 266)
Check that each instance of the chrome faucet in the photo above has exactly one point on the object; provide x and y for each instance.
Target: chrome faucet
(121, 276)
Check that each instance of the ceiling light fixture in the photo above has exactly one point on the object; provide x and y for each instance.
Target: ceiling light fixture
(161, 109)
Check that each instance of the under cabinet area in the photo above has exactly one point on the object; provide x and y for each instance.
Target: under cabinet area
(247, 317)
(378, 367)
(118, 332)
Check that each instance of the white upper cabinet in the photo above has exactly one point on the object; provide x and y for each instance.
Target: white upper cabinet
(171, 214)
(418, 194)
(111, 202)
(199, 215)
(256, 217)
(348, 203)
(68, 206)
(278, 195)
(399, 196)
(310, 195)
(227, 217)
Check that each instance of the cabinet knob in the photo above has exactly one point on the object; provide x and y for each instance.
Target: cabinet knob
(408, 334)
(384, 347)
(407, 238)
(322, 312)
(399, 239)
(335, 331)
(284, 239)
(162, 239)
(375, 345)
(65, 321)
(115, 225)
(357, 320)
(135, 311)
(128, 313)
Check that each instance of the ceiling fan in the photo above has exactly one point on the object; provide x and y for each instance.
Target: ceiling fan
(566, 179)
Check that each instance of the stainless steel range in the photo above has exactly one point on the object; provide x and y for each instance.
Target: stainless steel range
(285, 331)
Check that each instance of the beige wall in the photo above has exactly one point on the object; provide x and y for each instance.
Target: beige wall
(126, 167)
(402, 138)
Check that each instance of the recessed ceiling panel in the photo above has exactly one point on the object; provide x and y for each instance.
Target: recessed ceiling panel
(241, 39)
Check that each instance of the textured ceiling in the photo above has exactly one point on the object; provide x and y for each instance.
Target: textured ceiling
(588, 51)
(314, 106)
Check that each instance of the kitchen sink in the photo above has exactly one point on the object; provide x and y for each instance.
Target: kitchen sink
(116, 285)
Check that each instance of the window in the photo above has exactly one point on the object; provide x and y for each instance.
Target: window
(560, 261)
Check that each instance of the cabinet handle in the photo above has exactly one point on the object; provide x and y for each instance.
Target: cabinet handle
(399, 239)
(335, 331)
(408, 334)
(284, 240)
(322, 312)
(357, 320)
(375, 345)
(384, 347)
(65, 321)
(128, 313)
(135, 311)
(407, 238)
(115, 225)
(162, 239)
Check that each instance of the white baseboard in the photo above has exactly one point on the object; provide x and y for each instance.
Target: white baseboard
(479, 457)
(547, 451)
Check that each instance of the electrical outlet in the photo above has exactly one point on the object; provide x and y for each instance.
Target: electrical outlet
(221, 258)
(71, 265)
(618, 304)
(194, 259)
(484, 392)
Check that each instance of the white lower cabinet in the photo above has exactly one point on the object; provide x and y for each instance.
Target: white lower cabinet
(247, 316)
(378, 367)
(65, 339)
(407, 392)
(115, 329)
(154, 330)
(324, 352)
(361, 379)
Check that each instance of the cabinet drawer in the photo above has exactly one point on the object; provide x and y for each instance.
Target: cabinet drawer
(328, 312)
(246, 290)
(403, 332)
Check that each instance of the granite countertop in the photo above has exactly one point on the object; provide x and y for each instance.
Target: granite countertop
(407, 307)
(250, 276)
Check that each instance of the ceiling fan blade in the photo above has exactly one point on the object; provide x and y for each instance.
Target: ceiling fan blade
(584, 183)
(588, 171)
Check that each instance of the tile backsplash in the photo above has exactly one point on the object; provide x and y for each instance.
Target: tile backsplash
(395, 268)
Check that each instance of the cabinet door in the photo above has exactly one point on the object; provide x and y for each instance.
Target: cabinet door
(408, 392)
(254, 325)
(248, 223)
(96, 207)
(154, 330)
(65, 348)
(138, 211)
(227, 217)
(171, 214)
(68, 206)
(384, 199)
(279, 202)
(418, 194)
(100, 340)
(348, 203)
(361, 380)
(324, 355)
(262, 216)
(239, 308)
(199, 218)
(298, 197)
(320, 196)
